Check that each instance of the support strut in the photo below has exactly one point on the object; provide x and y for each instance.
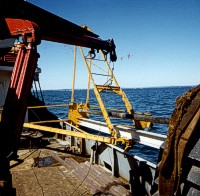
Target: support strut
(14, 109)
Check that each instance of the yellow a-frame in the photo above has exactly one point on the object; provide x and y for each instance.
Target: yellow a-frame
(74, 109)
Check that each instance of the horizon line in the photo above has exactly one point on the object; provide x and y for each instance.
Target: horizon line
(126, 87)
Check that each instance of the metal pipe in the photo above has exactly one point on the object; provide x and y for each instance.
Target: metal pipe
(89, 81)
(48, 106)
(74, 75)
(138, 117)
(40, 90)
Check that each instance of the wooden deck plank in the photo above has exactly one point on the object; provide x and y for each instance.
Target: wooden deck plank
(72, 178)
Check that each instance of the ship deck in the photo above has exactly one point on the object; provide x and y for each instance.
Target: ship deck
(51, 171)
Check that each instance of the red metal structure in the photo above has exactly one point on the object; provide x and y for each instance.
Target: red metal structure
(18, 19)
(21, 80)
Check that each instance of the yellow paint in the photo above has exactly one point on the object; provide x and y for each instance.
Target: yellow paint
(48, 106)
(68, 132)
(115, 89)
(82, 134)
(74, 114)
(74, 75)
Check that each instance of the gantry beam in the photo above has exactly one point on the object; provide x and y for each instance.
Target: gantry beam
(68, 132)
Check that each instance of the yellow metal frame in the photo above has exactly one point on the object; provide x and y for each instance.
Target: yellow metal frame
(113, 132)
(74, 75)
(117, 90)
(74, 114)
(68, 132)
(97, 90)
(79, 133)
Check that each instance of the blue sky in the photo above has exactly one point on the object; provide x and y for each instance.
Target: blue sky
(158, 42)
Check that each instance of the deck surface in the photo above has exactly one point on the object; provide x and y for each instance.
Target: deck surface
(40, 174)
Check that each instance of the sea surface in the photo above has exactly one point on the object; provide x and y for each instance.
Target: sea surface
(159, 101)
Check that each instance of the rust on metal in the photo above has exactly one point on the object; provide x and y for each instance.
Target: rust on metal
(184, 123)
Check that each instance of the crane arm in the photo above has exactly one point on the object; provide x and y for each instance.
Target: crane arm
(54, 28)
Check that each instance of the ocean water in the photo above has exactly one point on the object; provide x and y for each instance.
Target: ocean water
(157, 101)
